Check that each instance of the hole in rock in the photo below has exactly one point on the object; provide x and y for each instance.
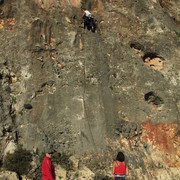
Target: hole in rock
(136, 46)
(150, 55)
(0, 76)
(151, 97)
(153, 60)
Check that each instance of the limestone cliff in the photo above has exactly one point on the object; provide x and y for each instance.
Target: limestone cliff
(93, 94)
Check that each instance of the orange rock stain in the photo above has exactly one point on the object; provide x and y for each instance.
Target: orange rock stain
(165, 138)
(8, 24)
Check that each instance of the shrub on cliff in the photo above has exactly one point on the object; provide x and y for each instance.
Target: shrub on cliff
(19, 161)
(62, 159)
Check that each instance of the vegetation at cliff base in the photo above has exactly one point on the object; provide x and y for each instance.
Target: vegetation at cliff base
(19, 161)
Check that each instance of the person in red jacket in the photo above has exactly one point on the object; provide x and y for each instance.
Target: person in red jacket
(119, 167)
(48, 171)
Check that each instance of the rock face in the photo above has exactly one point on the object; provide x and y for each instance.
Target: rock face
(96, 93)
(11, 147)
(8, 176)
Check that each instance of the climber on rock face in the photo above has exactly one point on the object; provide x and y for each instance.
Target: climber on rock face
(120, 170)
(87, 20)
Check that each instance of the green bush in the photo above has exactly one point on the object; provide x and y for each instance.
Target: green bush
(76, 175)
(14, 100)
(62, 159)
(19, 161)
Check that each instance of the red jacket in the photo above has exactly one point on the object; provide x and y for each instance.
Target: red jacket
(48, 172)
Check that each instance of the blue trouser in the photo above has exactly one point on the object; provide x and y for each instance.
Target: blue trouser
(88, 21)
(120, 178)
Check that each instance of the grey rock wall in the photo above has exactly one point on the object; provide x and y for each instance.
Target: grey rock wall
(80, 91)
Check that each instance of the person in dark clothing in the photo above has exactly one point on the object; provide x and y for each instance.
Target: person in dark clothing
(120, 170)
(87, 20)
